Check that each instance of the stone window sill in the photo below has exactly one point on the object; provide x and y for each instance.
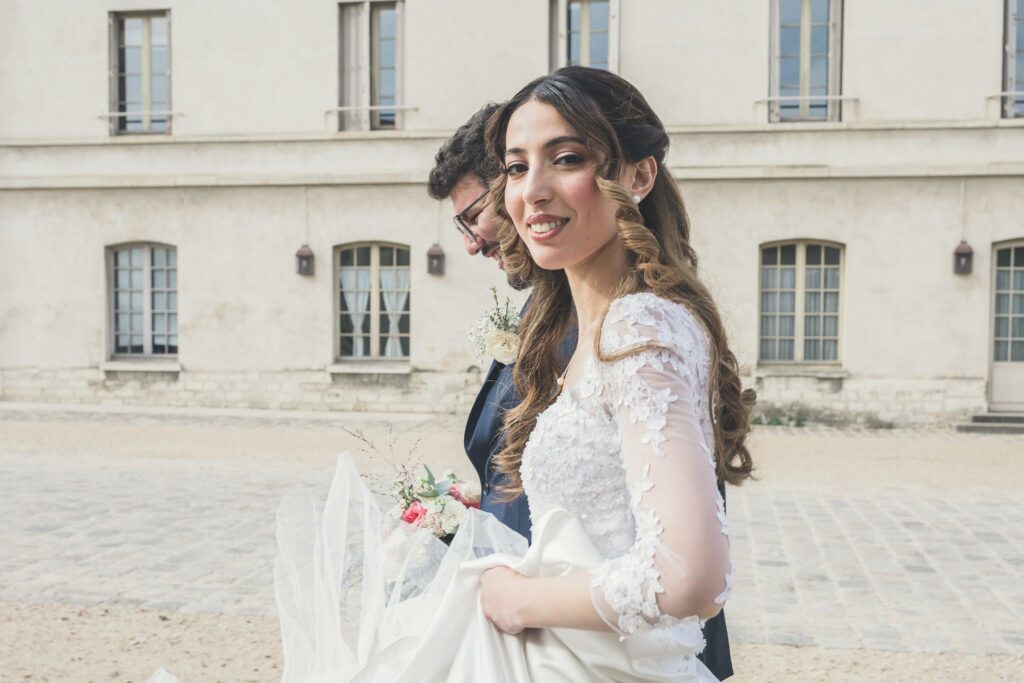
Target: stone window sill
(818, 372)
(141, 366)
(371, 367)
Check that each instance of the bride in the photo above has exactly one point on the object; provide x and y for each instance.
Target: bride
(620, 455)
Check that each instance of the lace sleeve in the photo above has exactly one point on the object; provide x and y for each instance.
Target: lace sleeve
(678, 566)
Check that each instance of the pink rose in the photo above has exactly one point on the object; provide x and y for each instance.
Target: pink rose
(415, 514)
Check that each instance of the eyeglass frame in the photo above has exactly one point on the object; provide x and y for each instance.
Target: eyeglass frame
(460, 218)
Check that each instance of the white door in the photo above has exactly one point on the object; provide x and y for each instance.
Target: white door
(1007, 385)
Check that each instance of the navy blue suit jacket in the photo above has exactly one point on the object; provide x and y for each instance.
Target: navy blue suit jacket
(484, 437)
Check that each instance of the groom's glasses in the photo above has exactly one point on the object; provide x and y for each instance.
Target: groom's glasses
(462, 219)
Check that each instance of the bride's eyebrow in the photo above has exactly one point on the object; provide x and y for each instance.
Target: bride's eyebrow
(553, 142)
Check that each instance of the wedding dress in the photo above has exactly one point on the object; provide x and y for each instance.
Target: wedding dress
(620, 475)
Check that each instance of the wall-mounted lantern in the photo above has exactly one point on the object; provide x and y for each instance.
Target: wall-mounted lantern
(435, 260)
(304, 262)
(963, 259)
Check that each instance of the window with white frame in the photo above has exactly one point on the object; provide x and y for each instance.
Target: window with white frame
(370, 51)
(374, 283)
(800, 302)
(805, 69)
(584, 33)
(144, 300)
(140, 92)
(1013, 97)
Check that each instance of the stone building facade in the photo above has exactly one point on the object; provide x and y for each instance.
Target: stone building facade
(161, 164)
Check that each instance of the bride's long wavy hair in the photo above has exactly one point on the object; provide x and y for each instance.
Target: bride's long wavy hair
(620, 127)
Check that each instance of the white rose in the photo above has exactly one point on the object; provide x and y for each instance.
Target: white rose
(470, 491)
(451, 517)
(436, 503)
(503, 346)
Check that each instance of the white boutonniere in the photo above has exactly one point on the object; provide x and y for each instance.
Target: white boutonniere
(497, 334)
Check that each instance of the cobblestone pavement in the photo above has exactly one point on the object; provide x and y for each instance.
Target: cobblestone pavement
(176, 512)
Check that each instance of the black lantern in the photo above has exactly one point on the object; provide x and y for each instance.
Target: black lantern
(435, 260)
(304, 260)
(963, 259)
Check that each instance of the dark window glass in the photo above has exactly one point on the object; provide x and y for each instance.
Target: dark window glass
(813, 255)
(403, 257)
(363, 256)
(1018, 257)
(387, 256)
(1003, 258)
(788, 253)
(831, 256)
(770, 257)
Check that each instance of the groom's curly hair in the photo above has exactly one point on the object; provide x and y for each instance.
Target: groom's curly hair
(618, 124)
(464, 153)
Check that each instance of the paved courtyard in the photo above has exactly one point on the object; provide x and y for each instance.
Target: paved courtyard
(888, 541)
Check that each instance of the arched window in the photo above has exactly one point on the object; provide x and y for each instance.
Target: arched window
(144, 300)
(374, 292)
(800, 302)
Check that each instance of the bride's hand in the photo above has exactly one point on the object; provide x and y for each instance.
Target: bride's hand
(503, 598)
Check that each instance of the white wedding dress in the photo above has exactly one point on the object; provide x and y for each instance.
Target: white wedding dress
(621, 481)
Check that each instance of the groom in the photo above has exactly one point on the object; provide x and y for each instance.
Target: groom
(462, 172)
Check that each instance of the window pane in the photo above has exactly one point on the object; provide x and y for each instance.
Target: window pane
(812, 350)
(1002, 279)
(831, 278)
(830, 350)
(787, 278)
(387, 256)
(387, 23)
(789, 11)
(136, 322)
(831, 256)
(403, 324)
(1002, 327)
(137, 258)
(159, 279)
(819, 76)
(159, 301)
(831, 326)
(346, 346)
(158, 30)
(1018, 303)
(813, 278)
(1018, 257)
(1018, 328)
(172, 301)
(819, 40)
(159, 323)
(787, 302)
(132, 31)
(767, 325)
(137, 300)
(346, 324)
(406, 345)
(819, 11)
(812, 302)
(122, 279)
(1003, 258)
(158, 86)
(133, 88)
(767, 349)
(789, 72)
(769, 302)
(788, 253)
(172, 279)
(787, 325)
(1017, 351)
(598, 17)
(831, 302)
(1018, 281)
(770, 257)
(363, 256)
(131, 60)
(812, 326)
(159, 60)
(786, 348)
(598, 49)
(813, 254)
(121, 323)
(160, 257)
(768, 278)
(1002, 303)
(574, 49)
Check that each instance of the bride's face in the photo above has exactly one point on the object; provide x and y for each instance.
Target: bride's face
(551, 193)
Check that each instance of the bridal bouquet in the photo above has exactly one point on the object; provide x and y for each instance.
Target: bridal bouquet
(497, 334)
(437, 505)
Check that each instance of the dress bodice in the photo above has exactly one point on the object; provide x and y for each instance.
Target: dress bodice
(629, 451)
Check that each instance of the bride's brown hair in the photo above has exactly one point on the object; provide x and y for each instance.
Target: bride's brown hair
(620, 127)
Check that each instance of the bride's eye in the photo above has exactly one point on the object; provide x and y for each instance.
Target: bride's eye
(569, 159)
(515, 168)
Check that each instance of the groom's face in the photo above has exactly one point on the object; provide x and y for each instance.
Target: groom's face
(475, 205)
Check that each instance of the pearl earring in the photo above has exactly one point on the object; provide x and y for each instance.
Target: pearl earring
(636, 199)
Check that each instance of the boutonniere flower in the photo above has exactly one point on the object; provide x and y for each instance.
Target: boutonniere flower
(497, 334)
